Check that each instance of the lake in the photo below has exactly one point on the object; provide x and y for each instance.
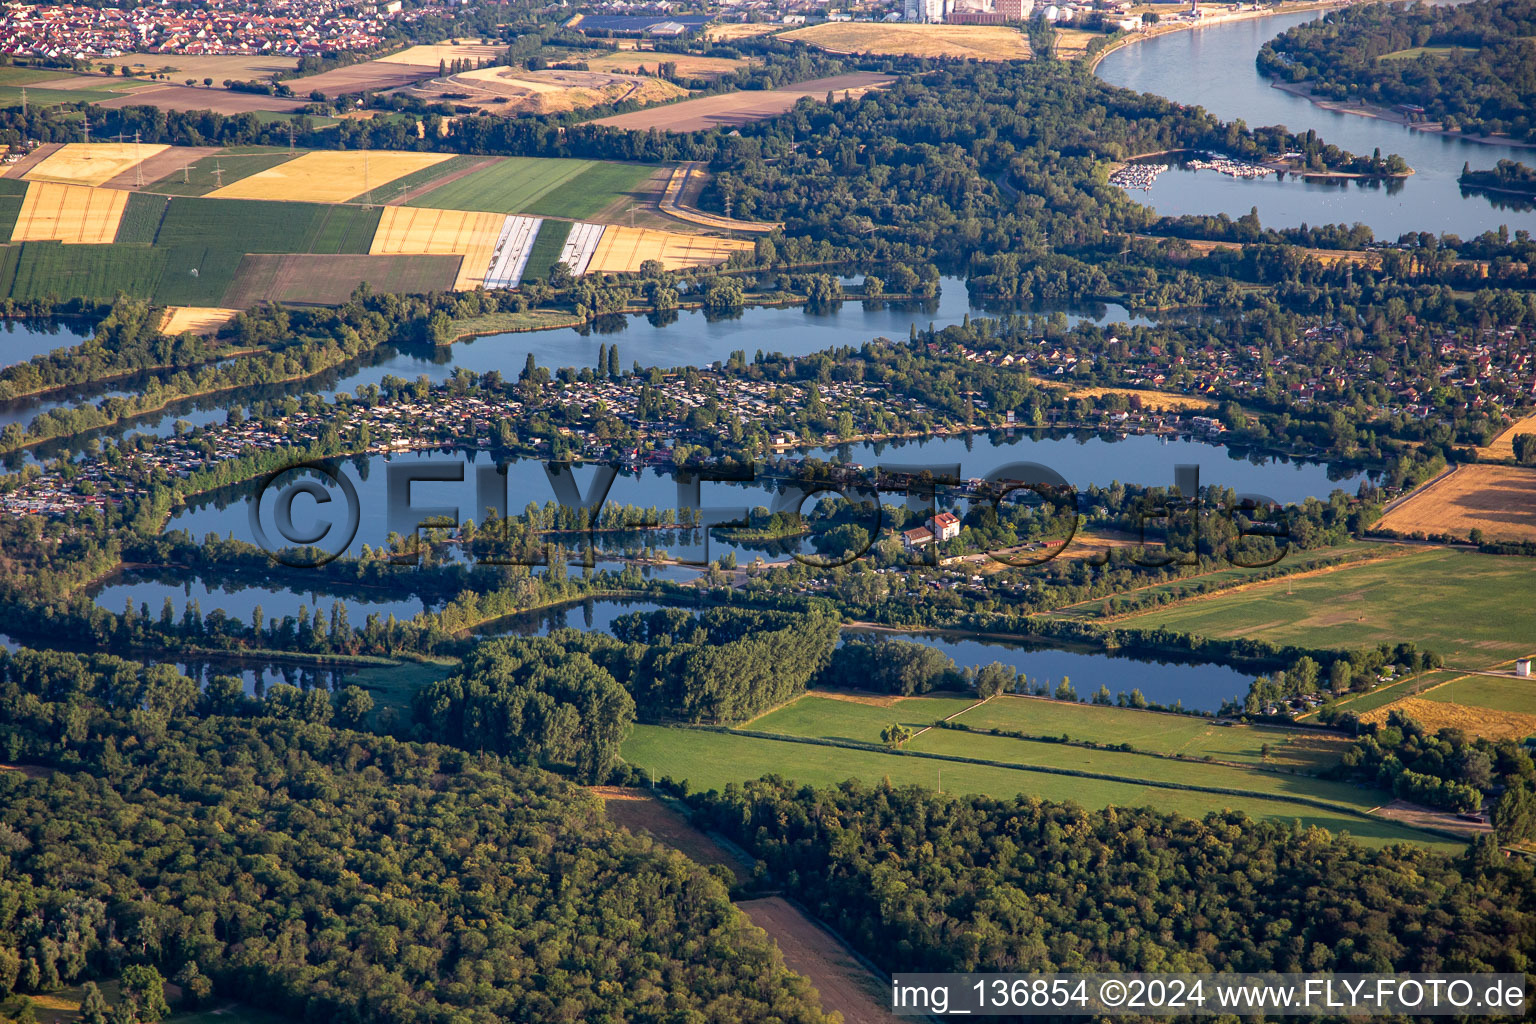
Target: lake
(1214, 68)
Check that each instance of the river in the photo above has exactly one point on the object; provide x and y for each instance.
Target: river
(1214, 68)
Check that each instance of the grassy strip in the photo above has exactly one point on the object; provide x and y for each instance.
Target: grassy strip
(545, 252)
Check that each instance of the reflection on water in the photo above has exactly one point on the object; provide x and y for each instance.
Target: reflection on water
(1214, 68)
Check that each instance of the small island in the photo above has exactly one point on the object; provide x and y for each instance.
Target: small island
(1509, 176)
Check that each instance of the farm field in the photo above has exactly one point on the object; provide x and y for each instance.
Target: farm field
(548, 187)
(1472, 609)
(42, 269)
(255, 226)
(203, 173)
(1160, 733)
(740, 30)
(329, 280)
(710, 760)
(547, 246)
(1435, 715)
(369, 76)
(1498, 500)
(1499, 694)
(76, 214)
(623, 250)
(1157, 400)
(1503, 446)
(402, 189)
(1390, 692)
(739, 108)
(406, 230)
(836, 717)
(1124, 765)
(197, 319)
(976, 42)
(328, 177)
(185, 97)
(141, 219)
(218, 68)
(1236, 577)
(844, 984)
(79, 163)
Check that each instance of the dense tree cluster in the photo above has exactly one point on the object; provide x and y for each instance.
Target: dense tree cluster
(982, 884)
(330, 875)
(1448, 769)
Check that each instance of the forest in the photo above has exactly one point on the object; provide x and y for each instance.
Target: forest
(966, 883)
(336, 876)
(1471, 67)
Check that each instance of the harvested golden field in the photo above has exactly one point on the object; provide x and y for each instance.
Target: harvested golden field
(733, 109)
(92, 163)
(741, 30)
(328, 176)
(1503, 446)
(1159, 400)
(197, 319)
(1072, 43)
(1498, 500)
(622, 250)
(433, 54)
(1435, 715)
(75, 214)
(980, 42)
(633, 62)
(413, 231)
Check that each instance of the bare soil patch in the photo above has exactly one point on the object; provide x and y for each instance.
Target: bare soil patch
(161, 165)
(846, 986)
(1498, 500)
(372, 76)
(639, 811)
(738, 108)
(218, 68)
(1427, 817)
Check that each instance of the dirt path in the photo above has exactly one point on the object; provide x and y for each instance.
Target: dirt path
(845, 985)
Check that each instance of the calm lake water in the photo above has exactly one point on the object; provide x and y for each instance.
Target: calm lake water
(1201, 687)
(20, 340)
(1082, 460)
(1214, 68)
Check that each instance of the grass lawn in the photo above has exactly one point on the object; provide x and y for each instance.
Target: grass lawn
(710, 760)
(1142, 767)
(831, 718)
(552, 187)
(1517, 695)
(1160, 733)
(1473, 609)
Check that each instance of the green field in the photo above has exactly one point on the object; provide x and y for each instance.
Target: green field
(1473, 609)
(1143, 767)
(1159, 733)
(206, 174)
(254, 225)
(416, 179)
(1300, 561)
(90, 271)
(709, 760)
(1414, 53)
(831, 718)
(141, 218)
(394, 685)
(1517, 695)
(551, 187)
(13, 80)
(545, 252)
(1393, 691)
(196, 275)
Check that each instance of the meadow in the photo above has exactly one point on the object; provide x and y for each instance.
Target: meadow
(1499, 694)
(550, 187)
(1160, 733)
(836, 718)
(1471, 608)
(711, 760)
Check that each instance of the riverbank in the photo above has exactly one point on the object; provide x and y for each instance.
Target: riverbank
(1227, 17)
(1362, 109)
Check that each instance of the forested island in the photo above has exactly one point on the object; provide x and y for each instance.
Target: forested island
(1470, 68)
(1507, 176)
